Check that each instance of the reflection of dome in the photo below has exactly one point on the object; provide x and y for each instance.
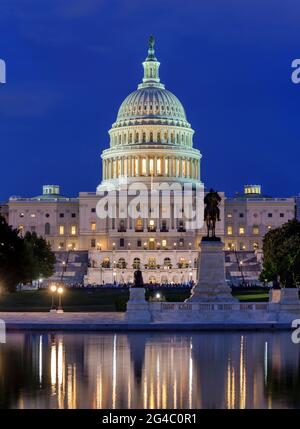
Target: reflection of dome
(151, 103)
(151, 137)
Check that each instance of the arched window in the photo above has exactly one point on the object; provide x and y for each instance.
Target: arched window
(47, 228)
(139, 224)
(151, 136)
(152, 262)
(121, 263)
(167, 263)
(122, 227)
(136, 263)
(106, 262)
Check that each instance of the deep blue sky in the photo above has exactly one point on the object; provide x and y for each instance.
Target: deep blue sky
(70, 63)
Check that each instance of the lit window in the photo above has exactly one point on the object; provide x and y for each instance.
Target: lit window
(229, 230)
(229, 215)
(151, 166)
(166, 166)
(93, 226)
(136, 166)
(144, 167)
(73, 230)
(255, 230)
(32, 215)
(164, 243)
(61, 230)
(241, 230)
(158, 166)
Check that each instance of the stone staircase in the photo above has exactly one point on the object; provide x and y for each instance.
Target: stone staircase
(242, 265)
(70, 266)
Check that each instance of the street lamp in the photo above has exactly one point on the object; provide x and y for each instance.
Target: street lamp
(60, 291)
(53, 289)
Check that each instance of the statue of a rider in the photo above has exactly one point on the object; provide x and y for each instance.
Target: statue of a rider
(211, 213)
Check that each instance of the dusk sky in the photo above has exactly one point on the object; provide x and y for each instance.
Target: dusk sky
(70, 64)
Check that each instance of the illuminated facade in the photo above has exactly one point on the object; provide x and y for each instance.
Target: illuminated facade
(151, 142)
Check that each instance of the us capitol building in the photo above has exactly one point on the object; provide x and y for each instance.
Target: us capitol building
(151, 141)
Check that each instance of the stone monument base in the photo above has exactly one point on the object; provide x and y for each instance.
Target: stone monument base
(212, 286)
(137, 306)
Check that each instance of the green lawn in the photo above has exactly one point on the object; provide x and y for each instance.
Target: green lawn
(82, 300)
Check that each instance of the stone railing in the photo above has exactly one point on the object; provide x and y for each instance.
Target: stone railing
(185, 306)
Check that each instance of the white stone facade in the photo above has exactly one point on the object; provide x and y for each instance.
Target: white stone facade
(151, 142)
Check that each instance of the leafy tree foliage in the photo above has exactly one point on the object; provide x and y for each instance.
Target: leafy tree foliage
(23, 260)
(281, 248)
(11, 253)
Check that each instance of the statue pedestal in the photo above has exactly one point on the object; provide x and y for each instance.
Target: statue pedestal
(212, 286)
(284, 296)
(137, 306)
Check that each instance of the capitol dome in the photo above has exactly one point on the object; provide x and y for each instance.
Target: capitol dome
(151, 102)
(151, 136)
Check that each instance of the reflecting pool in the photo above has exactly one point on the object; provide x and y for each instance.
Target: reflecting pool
(149, 370)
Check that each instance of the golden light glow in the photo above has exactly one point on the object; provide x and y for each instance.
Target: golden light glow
(53, 288)
(60, 290)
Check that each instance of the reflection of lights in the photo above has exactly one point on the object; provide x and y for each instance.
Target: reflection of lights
(53, 365)
(114, 381)
(41, 359)
(266, 362)
(242, 375)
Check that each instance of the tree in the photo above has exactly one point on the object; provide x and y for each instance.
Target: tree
(11, 253)
(40, 259)
(23, 260)
(281, 249)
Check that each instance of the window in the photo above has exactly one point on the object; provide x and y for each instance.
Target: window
(158, 166)
(122, 242)
(121, 263)
(181, 242)
(73, 215)
(32, 215)
(241, 215)
(167, 262)
(164, 243)
(241, 230)
(73, 230)
(93, 226)
(144, 166)
(270, 215)
(151, 166)
(47, 215)
(61, 215)
(281, 214)
(242, 246)
(255, 230)
(139, 224)
(139, 243)
(61, 245)
(61, 230)
(106, 262)
(229, 215)
(136, 263)
(93, 210)
(47, 228)
(93, 242)
(229, 230)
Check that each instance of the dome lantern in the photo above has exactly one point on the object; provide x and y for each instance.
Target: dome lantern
(151, 68)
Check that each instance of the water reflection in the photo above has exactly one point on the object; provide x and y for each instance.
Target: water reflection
(211, 370)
